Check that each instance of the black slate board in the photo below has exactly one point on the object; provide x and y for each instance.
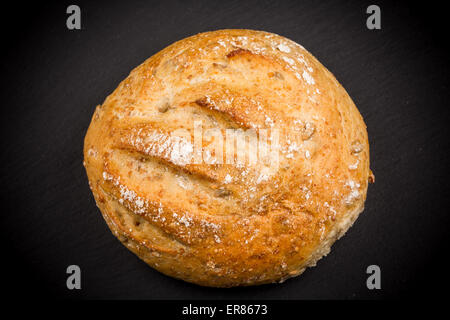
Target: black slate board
(53, 78)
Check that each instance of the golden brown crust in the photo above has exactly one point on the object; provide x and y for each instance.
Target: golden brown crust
(227, 224)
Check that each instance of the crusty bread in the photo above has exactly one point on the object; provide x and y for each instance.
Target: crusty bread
(219, 223)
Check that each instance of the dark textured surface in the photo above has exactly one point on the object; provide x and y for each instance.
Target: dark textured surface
(53, 78)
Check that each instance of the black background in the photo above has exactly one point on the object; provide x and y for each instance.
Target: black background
(52, 79)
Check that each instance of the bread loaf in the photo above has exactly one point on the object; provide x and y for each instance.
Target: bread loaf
(176, 162)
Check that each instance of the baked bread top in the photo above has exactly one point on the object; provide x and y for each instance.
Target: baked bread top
(228, 219)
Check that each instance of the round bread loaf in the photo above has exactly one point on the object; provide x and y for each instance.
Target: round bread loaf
(229, 158)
